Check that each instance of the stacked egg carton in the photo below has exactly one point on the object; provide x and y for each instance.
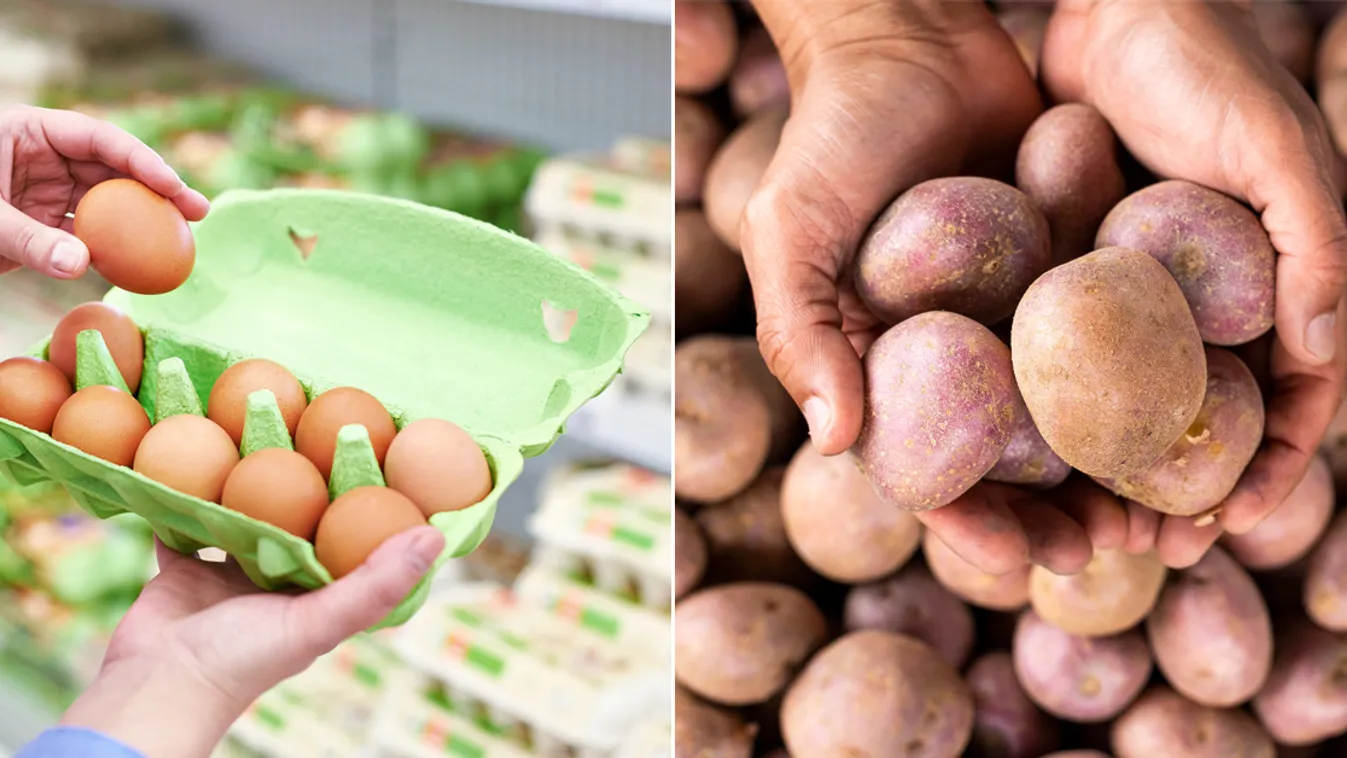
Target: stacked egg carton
(609, 214)
(573, 661)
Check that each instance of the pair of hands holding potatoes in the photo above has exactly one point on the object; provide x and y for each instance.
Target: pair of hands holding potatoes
(885, 95)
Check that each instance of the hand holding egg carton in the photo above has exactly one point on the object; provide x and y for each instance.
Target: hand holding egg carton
(293, 275)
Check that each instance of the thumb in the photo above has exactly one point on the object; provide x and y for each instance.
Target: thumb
(28, 242)
(320, 620)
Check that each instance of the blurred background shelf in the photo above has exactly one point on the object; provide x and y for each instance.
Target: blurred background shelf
(22, 717)
(648, 11)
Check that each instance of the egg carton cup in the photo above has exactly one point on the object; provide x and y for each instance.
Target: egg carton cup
(520, 664)
(411, 722)
(606, 615)
(643, 279)
(588, 195)
(435, 314)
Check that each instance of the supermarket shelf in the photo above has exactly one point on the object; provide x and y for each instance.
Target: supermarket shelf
(21, 720)
(647, 11)
(637, 429)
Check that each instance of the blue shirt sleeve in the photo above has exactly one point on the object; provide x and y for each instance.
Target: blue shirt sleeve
(74, 742)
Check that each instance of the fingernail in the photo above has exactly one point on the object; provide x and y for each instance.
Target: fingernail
(1321, 336)
(423, 551)
(66, 257)
(819, 416)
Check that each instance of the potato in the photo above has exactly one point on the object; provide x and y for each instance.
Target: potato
(838, 524)
(739, 644)
(1006, 592)
(1211, 633)
(722, 420)
(1204, 464)
(1076, 754)
(759, 78)
(1068, 166)
(1331, 77)
(1334, 447)
(737, 168)
(913, 603)
(704, 731)
(1109, 361)
(1305, 698)
(1006, 723)
(1287, 31)
(1326, 581)
(1079, 678)
(939, 408)
(705, 44)
(962, 244)
(689, 554)
(1025, 26)
(746, 539)
(788, 428)
(1288, 533)
(709, 278)
(1164, 723)
(876, 695)
(1027, 459)
(697, 134)
(1114, 593)
(1216, 249)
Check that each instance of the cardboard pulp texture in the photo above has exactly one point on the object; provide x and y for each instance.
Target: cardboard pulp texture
(435, 314)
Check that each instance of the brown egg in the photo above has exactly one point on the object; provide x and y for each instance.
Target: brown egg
(438, 466)
(190, 454)
(280, 487)
(316, 437)
(32, 392)
(228, 404)
(121, 334)
(138, 239)
(104, 422)
(357, 523)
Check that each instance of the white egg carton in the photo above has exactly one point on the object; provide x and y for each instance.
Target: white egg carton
(645, 156)
(591, 195)
(642, 278)
(610, 527)
(30, 62)
(601, 614)
(648, 371)
(521, 665)
(651, 739)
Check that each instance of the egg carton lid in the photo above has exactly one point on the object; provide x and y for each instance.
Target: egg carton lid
(525, 662)
(617, 512)
(601, 614)
(580, 192)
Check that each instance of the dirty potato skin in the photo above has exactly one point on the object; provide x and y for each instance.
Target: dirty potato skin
(939, 409)
(912, 602)
(689, 554)
(1292, 529)
(967, 245)
(1204, 464)
(739, 644)
(1082, 679)
(1006, 723)
(1163, 722)
(1004, 592)
(1068, 166)
(1326, 580)
(1114, 593)
(1109, 361)
(1211, 633)
(746, 539)
(1215, 248)
(837, 522)
(722, 422)
(1305, 698)
(1028, 460)
(877, 695)
(705, 731)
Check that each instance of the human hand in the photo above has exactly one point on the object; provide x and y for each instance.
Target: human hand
(202, 643)
(884, 96)
(48, 160)
(1193, 94)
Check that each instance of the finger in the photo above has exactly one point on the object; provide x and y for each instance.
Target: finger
(1143, 526)
(981, 528)
(1056, 542)
(78, 137)
(1097, 511)
(321, 619)
(167, 556)
(838, 163)
(1181, 543)
(28, 242)
(1304, 401)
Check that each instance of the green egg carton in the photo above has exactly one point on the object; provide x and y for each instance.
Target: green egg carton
(435, 314)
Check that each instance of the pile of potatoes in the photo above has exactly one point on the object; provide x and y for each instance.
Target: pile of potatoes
(815, 616)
